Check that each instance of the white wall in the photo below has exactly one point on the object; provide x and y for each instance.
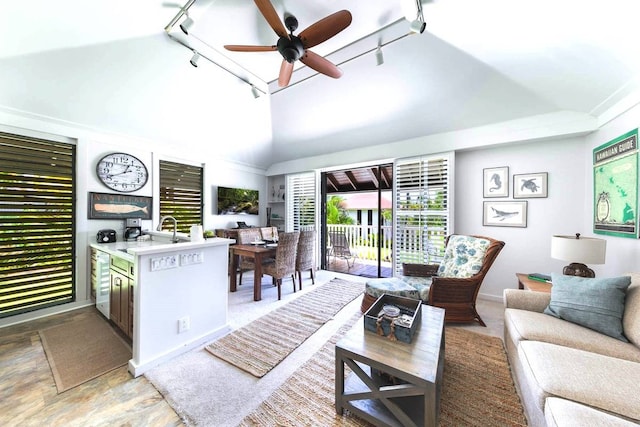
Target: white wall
(527, 250)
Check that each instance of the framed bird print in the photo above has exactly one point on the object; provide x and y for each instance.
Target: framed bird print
(529, 185)
(495, 182)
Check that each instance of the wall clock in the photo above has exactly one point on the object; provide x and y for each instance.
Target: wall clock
(122, 172)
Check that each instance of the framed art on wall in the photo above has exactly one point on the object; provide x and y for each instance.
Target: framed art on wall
(505, 214)
(529, 185)
(119, 206)
(495, 182)
(615, 186)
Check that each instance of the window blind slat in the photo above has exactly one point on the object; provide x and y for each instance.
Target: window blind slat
(422, 215)
(181, 194)
(301, 202)
(37, 224)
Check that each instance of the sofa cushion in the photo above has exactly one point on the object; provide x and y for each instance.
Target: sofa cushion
(592, 379)
(561, 412)
(463, 256)
(524, 325)
(631, 318)
(591, 302)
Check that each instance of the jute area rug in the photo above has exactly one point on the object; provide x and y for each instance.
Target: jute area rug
(259, 346)
(82, 350)
(477, 388)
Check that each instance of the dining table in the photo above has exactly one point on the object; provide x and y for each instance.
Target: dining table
(259, 252)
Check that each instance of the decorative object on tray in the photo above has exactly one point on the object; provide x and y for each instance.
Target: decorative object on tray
(495, 182)
(394, 317)
(530, 185)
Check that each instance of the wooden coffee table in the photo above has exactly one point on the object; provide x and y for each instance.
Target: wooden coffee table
(393, 383)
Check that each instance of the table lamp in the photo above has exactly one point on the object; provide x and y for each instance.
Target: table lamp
(575, 248)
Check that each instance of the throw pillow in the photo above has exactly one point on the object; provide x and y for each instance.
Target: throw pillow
(463, 256)
(594, 303)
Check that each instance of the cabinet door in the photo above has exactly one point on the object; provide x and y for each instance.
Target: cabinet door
(117, 280)
(124, 305)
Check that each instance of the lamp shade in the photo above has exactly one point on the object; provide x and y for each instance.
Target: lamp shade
(586, 250)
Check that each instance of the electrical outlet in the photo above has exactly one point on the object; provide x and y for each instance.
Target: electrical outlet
(184, 323)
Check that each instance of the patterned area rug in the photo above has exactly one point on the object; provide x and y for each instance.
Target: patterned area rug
(477, 389)
(259, 346)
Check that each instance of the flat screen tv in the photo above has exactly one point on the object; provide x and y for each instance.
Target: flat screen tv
(237, 201)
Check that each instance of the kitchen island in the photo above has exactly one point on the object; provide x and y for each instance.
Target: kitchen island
(177, 294)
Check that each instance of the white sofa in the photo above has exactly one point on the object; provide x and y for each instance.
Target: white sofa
(570, 375)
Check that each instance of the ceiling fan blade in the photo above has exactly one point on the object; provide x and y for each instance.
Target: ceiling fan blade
(286, 69)
(270, 14)
(325, 28)
(247, 48)
(320, 64)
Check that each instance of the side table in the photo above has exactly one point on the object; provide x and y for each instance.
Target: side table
(532, 285)
(393, 383)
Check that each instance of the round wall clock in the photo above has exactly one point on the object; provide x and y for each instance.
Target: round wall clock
(122, 172)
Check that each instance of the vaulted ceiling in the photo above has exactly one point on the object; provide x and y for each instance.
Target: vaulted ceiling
(109, 64)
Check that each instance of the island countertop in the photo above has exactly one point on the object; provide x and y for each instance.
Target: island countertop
(129, 250)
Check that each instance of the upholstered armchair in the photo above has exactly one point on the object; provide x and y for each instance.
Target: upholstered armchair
(453, 284)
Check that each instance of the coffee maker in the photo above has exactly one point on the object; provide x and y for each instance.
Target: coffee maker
(132, 229)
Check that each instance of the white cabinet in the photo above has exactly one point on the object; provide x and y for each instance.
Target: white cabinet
(276, 193)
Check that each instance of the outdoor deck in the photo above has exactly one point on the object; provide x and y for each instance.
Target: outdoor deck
(361, 267)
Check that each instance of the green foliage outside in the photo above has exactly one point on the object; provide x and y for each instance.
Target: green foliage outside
(336, 213)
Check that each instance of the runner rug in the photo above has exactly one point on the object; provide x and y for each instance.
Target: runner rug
(259, 346)
(82, 350)
(477, 388)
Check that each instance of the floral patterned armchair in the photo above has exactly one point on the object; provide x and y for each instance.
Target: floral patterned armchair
(453, 284)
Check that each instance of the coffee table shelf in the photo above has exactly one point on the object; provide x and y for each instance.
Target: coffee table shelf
(408, 392)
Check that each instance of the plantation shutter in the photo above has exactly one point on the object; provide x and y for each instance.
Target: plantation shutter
(423, 218)
(181, 194)
(301, 201)
(37, 224)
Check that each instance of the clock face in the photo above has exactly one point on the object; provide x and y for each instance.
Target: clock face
(122, 172)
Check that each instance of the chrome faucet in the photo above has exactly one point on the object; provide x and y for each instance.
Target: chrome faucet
(174, 239)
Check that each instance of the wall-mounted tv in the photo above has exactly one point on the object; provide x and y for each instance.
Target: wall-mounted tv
(235, 201)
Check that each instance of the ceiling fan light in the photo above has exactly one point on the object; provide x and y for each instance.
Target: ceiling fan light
(194, 59)
(186, 25)
(418, 26)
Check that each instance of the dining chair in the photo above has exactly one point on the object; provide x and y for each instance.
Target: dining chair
(284, 263)
(269, 233)
(245, 237)
(305, 259)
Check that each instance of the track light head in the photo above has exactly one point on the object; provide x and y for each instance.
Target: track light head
(186, 25)
(418, 26)
(194, 59)
(255, 92)
(379, 56)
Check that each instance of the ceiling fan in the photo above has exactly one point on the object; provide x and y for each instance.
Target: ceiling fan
(293, 48)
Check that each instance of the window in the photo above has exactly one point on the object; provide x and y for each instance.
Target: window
(37, 224)
(301, 201)
(181, 194)
(423, 218)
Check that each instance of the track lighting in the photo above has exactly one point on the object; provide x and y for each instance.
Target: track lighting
(194, 59)
(186, 24)
(379, 56)
(418, 25)
(255, 92)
